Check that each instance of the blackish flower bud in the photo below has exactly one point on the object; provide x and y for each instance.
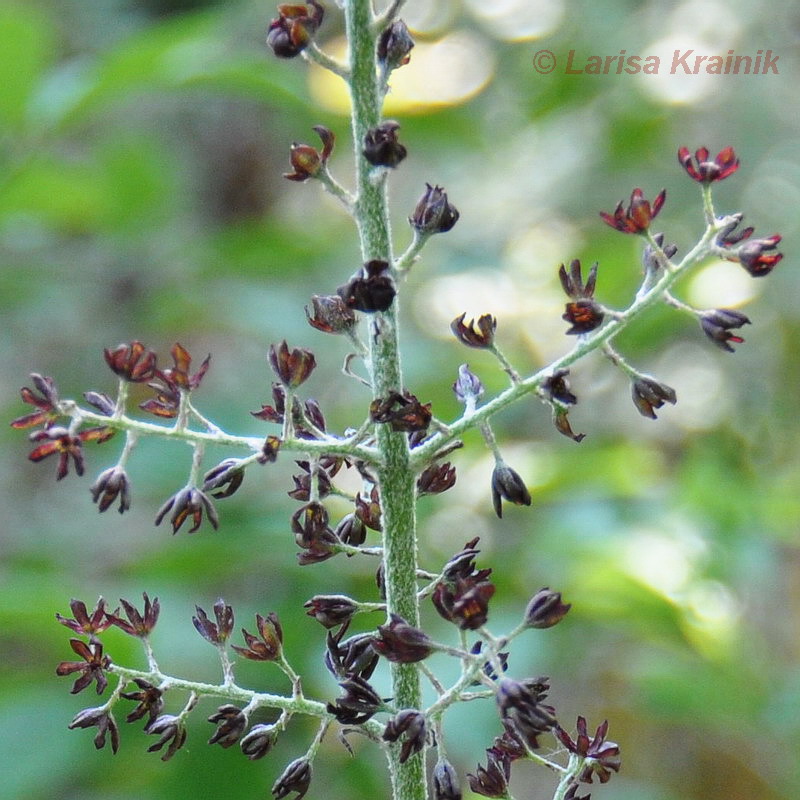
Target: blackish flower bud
(371, 289)
(353, 656)
(545, 609)
(436, 479)
(639, 214)
(573, 284)
(331, 315)
(409, 724)
(434, 213)
(399, 642)
(216, 633)
(519, 703)
(467, 387)
(358, 703)
(150, 700)
(226, 477)
(477, 333)
(293, 30)
(259, 741)
(292, 367)
(717, 325)
(352, 530)
(402, 412)
(171, 731)
(445, 782)
(331, 610)
(138, 623)
(270, 644)
(756, 255)
(231, 724)
(729, 236)
(381, 147)
(491, 781)
(704, 170)
(111, 484)
(132, 362)
(649, 394)
(508, 485)
(394, 46)
(295, 778)
(188, 502)
(105, 722)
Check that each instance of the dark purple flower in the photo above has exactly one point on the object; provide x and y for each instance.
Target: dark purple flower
(706, 170)
(638, 215)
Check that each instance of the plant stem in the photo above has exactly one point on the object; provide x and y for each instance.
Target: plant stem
(396, 478)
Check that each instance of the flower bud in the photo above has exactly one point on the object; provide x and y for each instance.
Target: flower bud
(545, 609)
(292, 367)
(433, 213)
(371, 289)
(259, 741)
(381, 147)
(295, 778)
(717, 325)
(394, 46)
(445, 782)
(649, 394)
(468, 386)
(507, 485)
(477, 333)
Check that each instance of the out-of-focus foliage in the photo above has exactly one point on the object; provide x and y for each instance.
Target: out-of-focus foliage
(142, 144)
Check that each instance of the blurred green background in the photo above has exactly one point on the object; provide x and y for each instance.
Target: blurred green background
(142, 146)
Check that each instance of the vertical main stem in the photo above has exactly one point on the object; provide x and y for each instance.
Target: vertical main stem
(396, 478)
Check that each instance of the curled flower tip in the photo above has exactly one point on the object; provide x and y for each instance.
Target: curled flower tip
(476, 333)
(292, 367)
(433, 213)
(381, 147)
(307, 161)
(132, 362)
(259, 741)
(508, 485)
(410, 724)
(649, 394)
(231, 724)
(46, 403)
(138, 623)
(445, 782)
(756, 255)
(188, 502)
(219, 632)
(402, 643)
(295, 778)
(331, 315)
(293, 30)
(636, 218)
(370, 289)
(719, 323)
(105, 723)
(111, 484)
(545, 609)
(268, 645)
(171, 731)
(705, 170)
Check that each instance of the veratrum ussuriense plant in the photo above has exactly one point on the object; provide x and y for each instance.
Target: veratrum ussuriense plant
(400, 450)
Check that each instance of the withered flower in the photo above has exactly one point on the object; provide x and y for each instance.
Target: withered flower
(649, 394)
(138, 624)
(756, 255)
(351, 657)
(150, 700)
(231, 724)
(556, 388)
(465, 602)
(402, 643)
(91, 668)
(545, 609)
(717, 325)
(132, 362)
(370, 289)
(307, 161)
(259, 741)
(293, 30)
(215, 632)
(601, 757)
(312, 533)
(433, 212)
(331, 315)
(410, 724)
(508, 485)
(358, 703)
(638, 215)
(304, 482)
(583, 313)
(56, 440)
(295, 778)
(105, 722)
(436, 478)
(705, 170)
(169, 383)
(520, 702)
(292, 367)
(270, 644)
(226, 477)
(508, 745)
(467, 387)
(46, 403)
(445, 781)
(402, 412)
(491, 780)
(172, 732)
(381, 147)
(368, 509)
(111, 484)
(331, 610)
(189, 501)
(394, 46)
(85, 623)
(476, 333)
